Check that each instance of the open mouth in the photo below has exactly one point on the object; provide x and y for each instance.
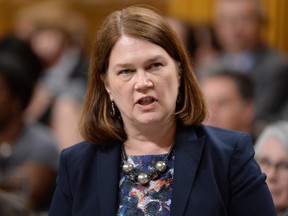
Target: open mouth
(146, 100)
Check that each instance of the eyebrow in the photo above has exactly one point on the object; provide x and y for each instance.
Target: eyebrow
(152, 59)
(155, 58)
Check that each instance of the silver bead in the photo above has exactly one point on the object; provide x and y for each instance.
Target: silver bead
(143, 178)
(127, 167)
(161, 166)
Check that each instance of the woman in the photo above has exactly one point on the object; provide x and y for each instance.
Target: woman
(146, 152)
(272, 154)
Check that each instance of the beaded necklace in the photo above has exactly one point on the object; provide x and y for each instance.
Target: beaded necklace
(144, 178)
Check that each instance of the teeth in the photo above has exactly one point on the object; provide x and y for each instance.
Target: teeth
(146, 100)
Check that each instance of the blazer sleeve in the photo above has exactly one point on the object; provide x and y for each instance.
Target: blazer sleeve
(249, 192)
(62, 200)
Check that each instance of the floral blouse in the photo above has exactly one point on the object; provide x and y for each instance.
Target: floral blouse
(152, 199)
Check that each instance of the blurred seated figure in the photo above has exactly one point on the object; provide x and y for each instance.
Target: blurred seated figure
(13, 205)
(271, 152)
(200, 41)
(238, 25)
(64, 119)
(230, 100)
(57, 35)
(28, 152)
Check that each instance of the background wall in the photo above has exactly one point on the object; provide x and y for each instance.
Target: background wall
(194, 11)
(276, 32)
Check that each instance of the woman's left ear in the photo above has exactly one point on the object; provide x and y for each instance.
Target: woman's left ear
(106, 84)
(179, 73)
(108, 91)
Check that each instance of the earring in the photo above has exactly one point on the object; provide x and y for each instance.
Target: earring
(112, 113)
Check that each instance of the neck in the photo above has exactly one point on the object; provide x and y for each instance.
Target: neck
(155, 140)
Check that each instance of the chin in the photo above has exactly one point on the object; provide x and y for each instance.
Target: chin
(151, 120)
(148, 121)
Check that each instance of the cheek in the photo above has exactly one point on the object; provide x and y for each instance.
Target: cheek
(113, 87)
(284, 185)
(172, 89)
(118, 93)
(121, 94)
(172, 93)
(173, 82)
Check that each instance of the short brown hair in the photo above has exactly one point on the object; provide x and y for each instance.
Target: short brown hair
(96, 123)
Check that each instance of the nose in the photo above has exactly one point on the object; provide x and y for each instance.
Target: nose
(143, 81)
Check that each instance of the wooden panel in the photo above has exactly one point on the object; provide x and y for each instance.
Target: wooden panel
(276, 30)
(93, 10)
(195, 11)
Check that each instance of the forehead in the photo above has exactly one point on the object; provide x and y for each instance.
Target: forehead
(219, 87)
(220, 83)
(233, 7)
(129, 48)
(273, 148)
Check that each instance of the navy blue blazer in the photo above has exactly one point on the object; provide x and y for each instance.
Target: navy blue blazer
(215, 174)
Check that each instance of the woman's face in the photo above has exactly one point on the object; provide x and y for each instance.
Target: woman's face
(143, 80)
(273, 159)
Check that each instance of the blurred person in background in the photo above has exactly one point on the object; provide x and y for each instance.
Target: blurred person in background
(230, 100)
(271, 152)
(13, 205)
(28, 152)
(238, 24)
(57, 35)
(200, 41)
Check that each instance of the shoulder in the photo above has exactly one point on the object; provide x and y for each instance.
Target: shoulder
(225, 145)
(229, 148)
(217, 142)
(268, 53)
(267, 58)
(79, 151)
(82, 161)
(220, 137)
(84, 153)
(225, 141)
(75, 161)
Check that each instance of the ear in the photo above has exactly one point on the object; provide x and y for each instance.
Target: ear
(179, 80)
(179, 69)
(107, 86)
(109, 92)
(249, 112)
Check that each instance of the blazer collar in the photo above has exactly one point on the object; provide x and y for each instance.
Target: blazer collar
(108, 167)
(188, 153)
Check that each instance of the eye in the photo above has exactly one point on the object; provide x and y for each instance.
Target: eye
(283, 166)
(155, 65)
(125, 72)
(264, 162)
(224, 102)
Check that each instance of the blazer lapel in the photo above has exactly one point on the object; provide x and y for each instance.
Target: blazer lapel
(188, 151)
(108, 163)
